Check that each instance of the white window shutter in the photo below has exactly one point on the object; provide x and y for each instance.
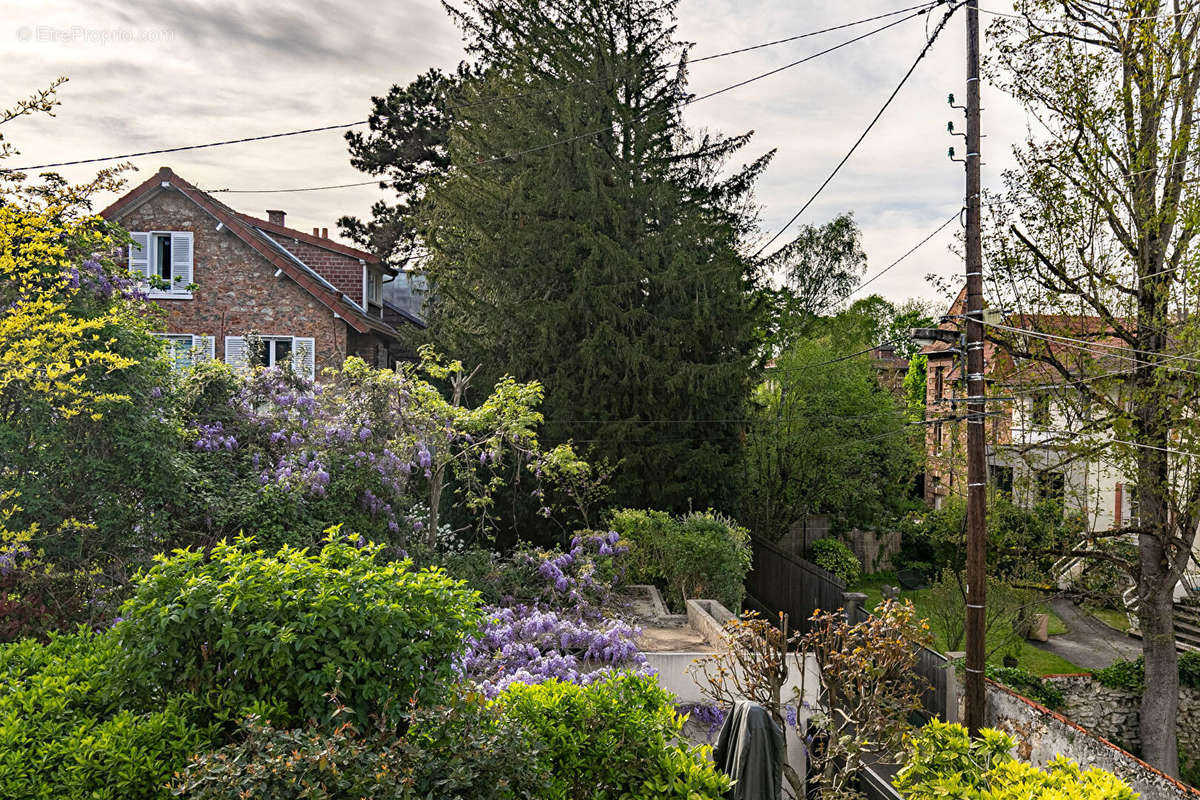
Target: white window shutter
(304, 352)
(235, 352)
(181, 260)
(207, 346)
(139, 254)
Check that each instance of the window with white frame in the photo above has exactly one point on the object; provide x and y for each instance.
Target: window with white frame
(375, 287)
(272, 351)
(185, 349)
(164, 259)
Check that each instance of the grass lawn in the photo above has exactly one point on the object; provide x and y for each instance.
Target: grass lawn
(1110, 617)
(1030, 658)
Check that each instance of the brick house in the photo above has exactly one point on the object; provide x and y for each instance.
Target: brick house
(1027, 434)
(229, 275)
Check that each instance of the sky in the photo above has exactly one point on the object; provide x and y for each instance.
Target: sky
(147, 74)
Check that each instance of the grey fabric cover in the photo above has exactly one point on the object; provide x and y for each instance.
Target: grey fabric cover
(751, 750)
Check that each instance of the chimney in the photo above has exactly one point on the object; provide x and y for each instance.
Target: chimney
(317, 232)
(275, 217)
(324, 233)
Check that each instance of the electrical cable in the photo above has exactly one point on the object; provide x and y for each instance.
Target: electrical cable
(914, 249)
(924, 51)
(925, 6)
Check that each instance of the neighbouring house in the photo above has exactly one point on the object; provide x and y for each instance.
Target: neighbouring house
(1026, 432)
(891, 367)
(223, 277)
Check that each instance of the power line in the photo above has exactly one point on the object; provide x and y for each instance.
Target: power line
(839, 359)
(1146, 18)
(698, 98)
(1088, 346)
(188, 147)
(914, 249)
(925, 6)
(924, 51)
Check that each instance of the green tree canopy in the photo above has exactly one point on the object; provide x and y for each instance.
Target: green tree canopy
(827, 438)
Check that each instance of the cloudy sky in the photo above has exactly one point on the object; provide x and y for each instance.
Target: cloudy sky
(146, 74)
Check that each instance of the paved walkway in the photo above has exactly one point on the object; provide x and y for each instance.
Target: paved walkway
(1088, 642)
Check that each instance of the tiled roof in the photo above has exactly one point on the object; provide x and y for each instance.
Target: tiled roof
(257, 234)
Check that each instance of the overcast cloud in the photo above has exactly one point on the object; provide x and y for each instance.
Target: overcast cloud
(146, 74)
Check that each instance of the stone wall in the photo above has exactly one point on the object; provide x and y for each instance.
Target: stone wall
(873, 549)
(1114, 713)
(1042, 734)
(237, 291)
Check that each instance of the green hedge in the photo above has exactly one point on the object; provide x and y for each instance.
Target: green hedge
(208, 639)
(1029, 685)
(698, 555)
(463, 750)
(64, 736)
(1131, 675)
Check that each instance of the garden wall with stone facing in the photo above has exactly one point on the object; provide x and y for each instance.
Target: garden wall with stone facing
(1042, 734)
(1114, 713)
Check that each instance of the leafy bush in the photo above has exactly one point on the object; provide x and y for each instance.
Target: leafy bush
(1029, 685)
(65, 736)
(696, 555)
(1131, 675)
(1020, 540)
(250, 632)
(612, 740)
(460, 751)
(944, 762)
(834, 556)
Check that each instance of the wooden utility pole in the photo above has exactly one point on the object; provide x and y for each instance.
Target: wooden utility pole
(976, 389)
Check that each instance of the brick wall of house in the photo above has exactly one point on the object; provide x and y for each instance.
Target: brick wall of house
(344, 272)
(237, 291)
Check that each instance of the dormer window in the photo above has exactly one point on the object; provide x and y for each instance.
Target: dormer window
(375, 287)
(164, 258)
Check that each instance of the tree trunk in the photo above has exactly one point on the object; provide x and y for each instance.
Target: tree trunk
(1156, 617)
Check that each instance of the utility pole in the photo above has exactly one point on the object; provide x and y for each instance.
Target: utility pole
(976, 389)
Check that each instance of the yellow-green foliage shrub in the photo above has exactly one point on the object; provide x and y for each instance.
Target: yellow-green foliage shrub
(944, 764)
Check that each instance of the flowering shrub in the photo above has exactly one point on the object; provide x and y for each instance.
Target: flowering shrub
(553, 621)
(378, 451)
(711, 716)
(523, 644)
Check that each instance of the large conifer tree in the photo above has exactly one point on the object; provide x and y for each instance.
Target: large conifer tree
(583, 237)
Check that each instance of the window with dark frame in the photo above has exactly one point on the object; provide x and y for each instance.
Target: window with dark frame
(161, 253)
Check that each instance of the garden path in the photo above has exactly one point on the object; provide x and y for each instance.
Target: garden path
(1088, 642)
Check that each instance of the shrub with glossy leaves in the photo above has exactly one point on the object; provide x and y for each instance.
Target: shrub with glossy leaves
(65, 735)
(463, 750)
(615, 739)
(943, 762)
(246, 631)
(696, 555)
